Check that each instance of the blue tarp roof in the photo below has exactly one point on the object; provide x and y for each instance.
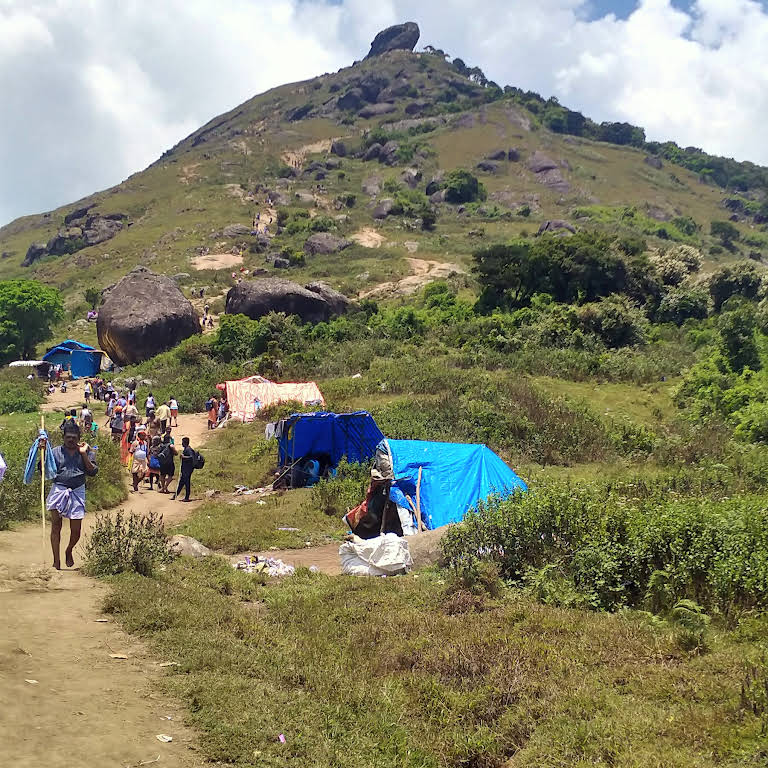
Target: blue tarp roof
(354, 435)
(83, 359)
(68, 346)
(454, 478)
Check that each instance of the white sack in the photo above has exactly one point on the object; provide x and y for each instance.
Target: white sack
(383, 556)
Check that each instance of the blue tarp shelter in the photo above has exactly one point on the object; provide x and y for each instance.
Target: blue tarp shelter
(455, 477)
(354, 435)
(80, 359)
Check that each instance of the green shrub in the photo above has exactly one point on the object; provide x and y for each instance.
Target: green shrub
(335, 495)
(20, 396)
(463, 187)
(137, 544)
(17, 501)
(609, 541)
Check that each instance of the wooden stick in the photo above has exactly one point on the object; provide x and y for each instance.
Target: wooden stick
(418, 503)
(42, 482)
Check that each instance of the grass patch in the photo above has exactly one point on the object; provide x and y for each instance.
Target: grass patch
(362, 672)
(252, 527)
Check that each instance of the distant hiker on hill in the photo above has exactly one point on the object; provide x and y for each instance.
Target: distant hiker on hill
(74, 462)
(187, 467)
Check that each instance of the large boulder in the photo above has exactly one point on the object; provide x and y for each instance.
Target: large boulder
(539, 162)
(338, 302)
(401, 37)
(374, 110)
(554, 225)
(143, 315)
(236, 230)
(385, 207)
(325, 242)
(339, 148)
(256, 298)
(34, 252)
(654, 162)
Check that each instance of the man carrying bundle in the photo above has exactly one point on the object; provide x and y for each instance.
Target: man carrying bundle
(74, 462)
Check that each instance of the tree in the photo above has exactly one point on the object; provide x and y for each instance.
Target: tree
(510, 275)
(93, 296)
(738, 280)
(462, 187)
(727, 233)
(737, 338)
(28, 309)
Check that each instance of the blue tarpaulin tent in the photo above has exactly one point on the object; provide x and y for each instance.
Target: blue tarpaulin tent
(454, 477)
(82, 360)
(354, 435)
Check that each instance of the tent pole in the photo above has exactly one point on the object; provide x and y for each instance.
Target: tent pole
(418, 502)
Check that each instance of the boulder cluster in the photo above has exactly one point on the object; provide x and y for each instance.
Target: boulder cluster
(81, 229)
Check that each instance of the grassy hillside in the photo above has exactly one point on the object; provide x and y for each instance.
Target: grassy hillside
(223, 173)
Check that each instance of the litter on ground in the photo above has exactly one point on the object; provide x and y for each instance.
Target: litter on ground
(270, 566)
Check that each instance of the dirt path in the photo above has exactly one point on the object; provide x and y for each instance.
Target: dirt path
(423, 272)
(84, 707)
(368, 238)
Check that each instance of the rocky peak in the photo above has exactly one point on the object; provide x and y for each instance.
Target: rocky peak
(401, 37)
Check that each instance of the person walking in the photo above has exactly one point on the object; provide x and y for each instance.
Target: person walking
(173, 404)
(167, 466)
(163, 415)
(213, 412)
(155, 449)
(117, 425)
(139, 452)
(74, 462)
(87, 391)
(149, 404)
(187, 468)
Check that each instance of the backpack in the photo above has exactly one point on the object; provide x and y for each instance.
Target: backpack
(208, 405)
(198, 460)
(165, 456)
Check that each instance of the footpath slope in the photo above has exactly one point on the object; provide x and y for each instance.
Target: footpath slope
(85, 708)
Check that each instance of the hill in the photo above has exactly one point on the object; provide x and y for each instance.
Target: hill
(329, 154)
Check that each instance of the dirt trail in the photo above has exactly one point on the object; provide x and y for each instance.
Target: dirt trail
(85, 708)
(295, 157)
(368, 238)
(424, 272)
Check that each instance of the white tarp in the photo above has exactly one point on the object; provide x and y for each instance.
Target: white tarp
(383, 556)
(26, 363)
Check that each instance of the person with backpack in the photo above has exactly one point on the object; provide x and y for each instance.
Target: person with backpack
(167, 466)
(117, 424)
(190, 461)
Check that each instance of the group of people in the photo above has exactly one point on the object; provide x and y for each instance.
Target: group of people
(147, 445)
(147, 448)
(217, 411)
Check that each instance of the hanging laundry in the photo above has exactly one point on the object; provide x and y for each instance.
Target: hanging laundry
(32, 460)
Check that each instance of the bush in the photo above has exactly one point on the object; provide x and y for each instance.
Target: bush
(17, 501)
(20, 396)
(137, 544)
(608, 542)
(335, 495)
(681, 304)
(462, 187)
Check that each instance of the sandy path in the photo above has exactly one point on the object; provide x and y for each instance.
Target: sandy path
(86, 708)
(423, 272)
(368, 238)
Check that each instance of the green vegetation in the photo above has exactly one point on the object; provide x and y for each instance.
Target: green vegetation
(137, 544)
(411, 672)
(28, 310)
(635, 545)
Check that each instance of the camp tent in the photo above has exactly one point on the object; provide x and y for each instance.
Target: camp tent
(454, 477)
(248, 396)
(81, 360)
(330, 435)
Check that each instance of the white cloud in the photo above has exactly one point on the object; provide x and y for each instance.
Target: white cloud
(92, 92)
